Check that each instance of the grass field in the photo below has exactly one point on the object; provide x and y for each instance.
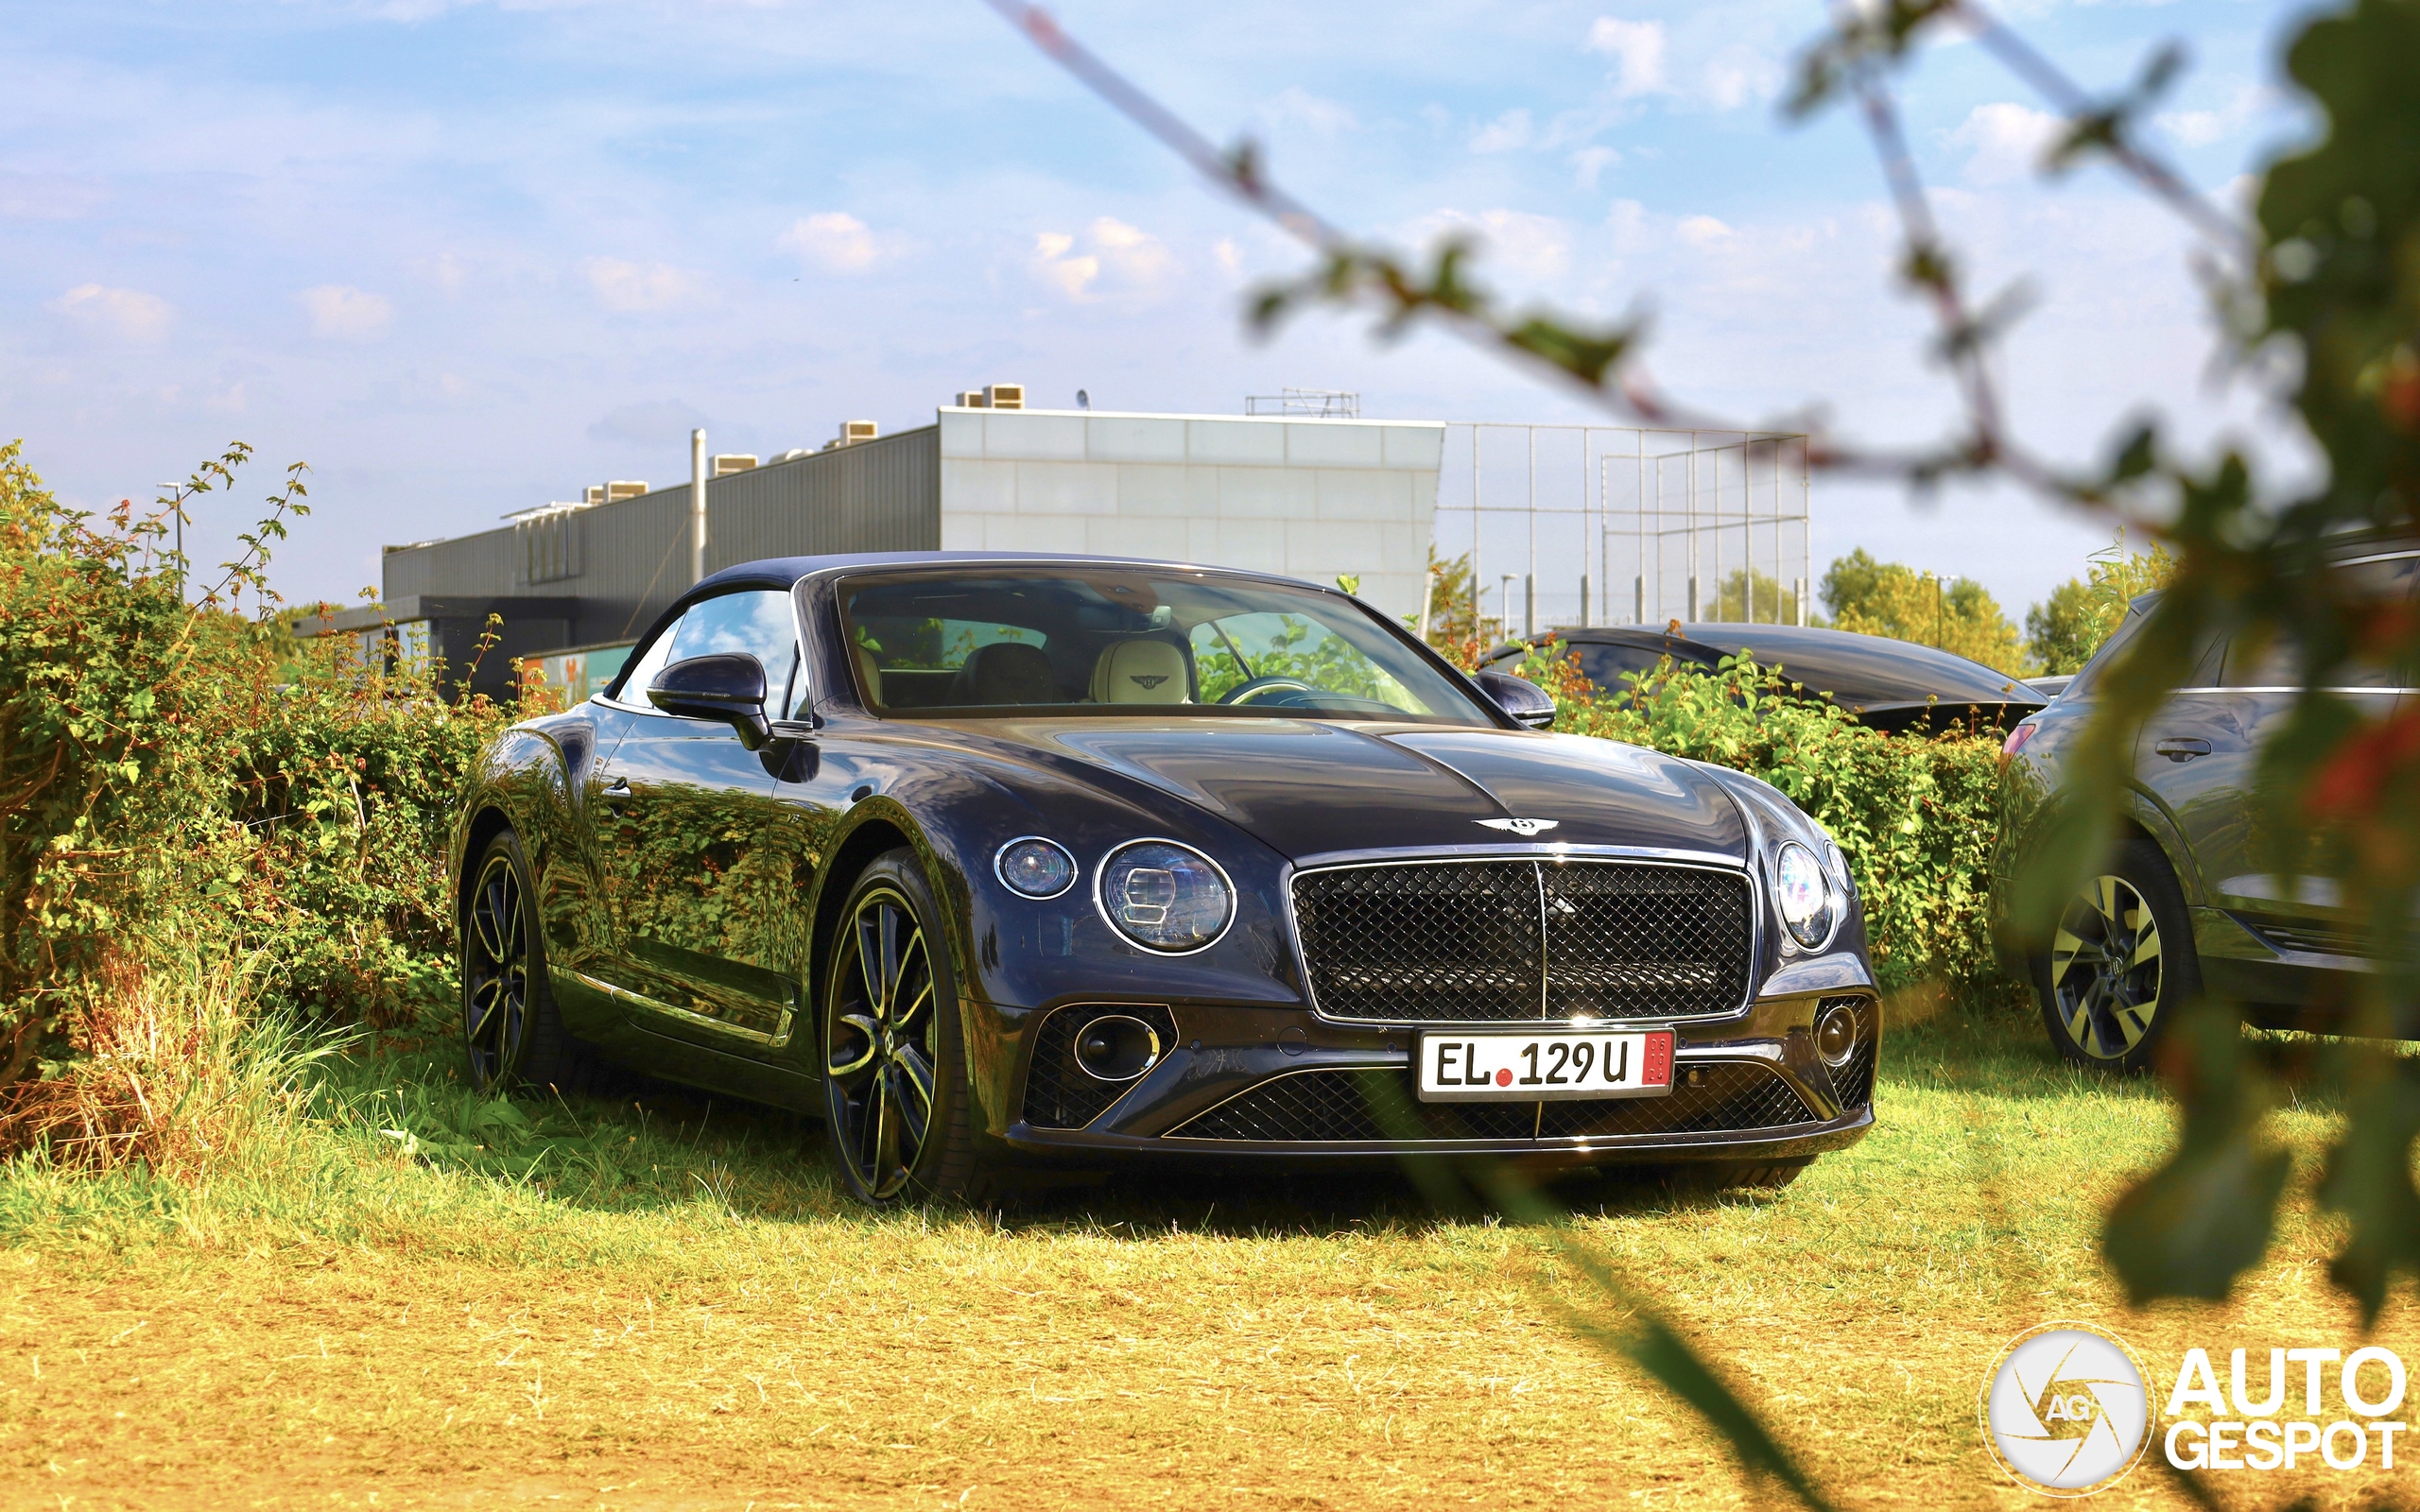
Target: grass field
(645, 1306)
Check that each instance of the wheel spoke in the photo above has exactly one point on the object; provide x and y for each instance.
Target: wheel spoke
(883, 1152)
(2107, 903)
(2146, 948)
(888, 1005)
(869, 955)
(487, 999)
(868, 1030)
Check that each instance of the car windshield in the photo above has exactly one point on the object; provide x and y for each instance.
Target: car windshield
(1130, 640)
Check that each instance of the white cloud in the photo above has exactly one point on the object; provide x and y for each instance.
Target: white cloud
(1702, 231)
(836, 242)
(2005, 141)
(128, 314)
(1296, 104)
(342, 313)
(1531, 247)
(1137, 262)
(1742, 75)
(1230, 256)
(1638, 45)
(2200, 128)
(1505, 133)
(1590, 163)
(628, 286)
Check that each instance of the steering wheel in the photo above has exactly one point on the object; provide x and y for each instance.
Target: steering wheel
(1250, 692)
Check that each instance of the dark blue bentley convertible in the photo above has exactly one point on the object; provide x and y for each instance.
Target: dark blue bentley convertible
(1000, 863)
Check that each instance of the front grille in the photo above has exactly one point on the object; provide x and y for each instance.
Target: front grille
(1463, 942)
(1318, 1107)
(1060, 1094)
(1855, 1081)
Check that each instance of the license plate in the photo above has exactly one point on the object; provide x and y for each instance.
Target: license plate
(1496, 1066)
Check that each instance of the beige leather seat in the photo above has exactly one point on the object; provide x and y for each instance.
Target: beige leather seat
(1140, 672)
(869, 675)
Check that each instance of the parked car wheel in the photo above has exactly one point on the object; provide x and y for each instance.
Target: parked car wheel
(2120, 963)
(510, 1025)
(900, 1109)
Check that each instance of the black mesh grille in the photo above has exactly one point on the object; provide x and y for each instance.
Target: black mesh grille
(1734, 1095)
(1435, 943)
(1855, 1081)
(1311, 1106)
(1057, 1092)
(1641, 942)
(1464, 942)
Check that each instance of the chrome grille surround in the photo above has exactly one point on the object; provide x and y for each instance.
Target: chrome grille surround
(1534, 936)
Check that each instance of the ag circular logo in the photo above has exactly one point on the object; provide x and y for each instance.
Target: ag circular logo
(2065, 1410)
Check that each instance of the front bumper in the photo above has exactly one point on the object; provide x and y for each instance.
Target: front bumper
(1264, 1085)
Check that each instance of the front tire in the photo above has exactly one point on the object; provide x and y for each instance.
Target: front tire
(510, 1028)
(900, 1118)
(2121, 964)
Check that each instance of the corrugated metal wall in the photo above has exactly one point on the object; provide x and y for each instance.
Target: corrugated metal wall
(634, 554)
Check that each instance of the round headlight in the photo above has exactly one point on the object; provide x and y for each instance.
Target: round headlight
(1803, 894)
(1035, 867)
(1165, 897)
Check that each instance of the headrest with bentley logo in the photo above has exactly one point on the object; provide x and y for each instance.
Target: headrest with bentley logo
(1140, 671)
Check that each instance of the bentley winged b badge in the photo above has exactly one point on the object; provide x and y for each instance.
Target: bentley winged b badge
(1524, 828)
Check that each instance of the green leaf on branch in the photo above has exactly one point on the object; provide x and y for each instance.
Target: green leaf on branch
(2205, 1216)
(2369, 1180)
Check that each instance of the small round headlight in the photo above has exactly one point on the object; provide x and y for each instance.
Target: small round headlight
(1035, 867)
(1803, 895)
(1165, 897)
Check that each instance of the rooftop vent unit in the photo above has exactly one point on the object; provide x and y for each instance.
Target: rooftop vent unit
(1004, 396)
(541, 511)
(853, 431)
(973, 399)
(726, 463)
(595, 494)
(795, 453)
(623, 488)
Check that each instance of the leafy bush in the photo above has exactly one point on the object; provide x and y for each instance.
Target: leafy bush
(183, 782)
(1915, 817)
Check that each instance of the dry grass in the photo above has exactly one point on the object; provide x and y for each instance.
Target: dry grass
(648, 1309)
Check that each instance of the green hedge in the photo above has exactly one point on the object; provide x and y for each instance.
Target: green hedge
(1915, 817)
(181, 780)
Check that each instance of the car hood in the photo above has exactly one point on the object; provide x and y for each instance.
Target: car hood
(1310, 789)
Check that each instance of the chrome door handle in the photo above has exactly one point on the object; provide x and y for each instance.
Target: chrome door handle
(2181, 750)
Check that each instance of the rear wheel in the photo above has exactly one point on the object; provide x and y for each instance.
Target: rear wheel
(510, 1025)
(2120, 963)
(900, 1120)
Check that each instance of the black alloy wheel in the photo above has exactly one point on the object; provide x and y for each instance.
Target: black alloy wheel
(496, 971)
(2121, 962)
(899, 1116)
(510, 1026)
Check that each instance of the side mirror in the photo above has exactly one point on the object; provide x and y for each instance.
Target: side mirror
(726, 685)
(1528, 703)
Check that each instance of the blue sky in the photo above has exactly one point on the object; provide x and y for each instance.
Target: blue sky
(465, 258)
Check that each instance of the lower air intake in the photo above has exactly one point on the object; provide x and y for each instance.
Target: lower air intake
(1364, 1107)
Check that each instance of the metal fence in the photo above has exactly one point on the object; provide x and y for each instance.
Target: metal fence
(1601, 524)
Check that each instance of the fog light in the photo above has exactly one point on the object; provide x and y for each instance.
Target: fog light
(1117, 1048)
(1836, 1036)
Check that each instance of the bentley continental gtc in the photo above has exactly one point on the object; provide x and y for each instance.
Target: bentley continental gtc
(1006, 865)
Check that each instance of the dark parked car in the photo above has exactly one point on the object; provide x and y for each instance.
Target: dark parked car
(2191, 898)
(1894, 685)
(1011, 861)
